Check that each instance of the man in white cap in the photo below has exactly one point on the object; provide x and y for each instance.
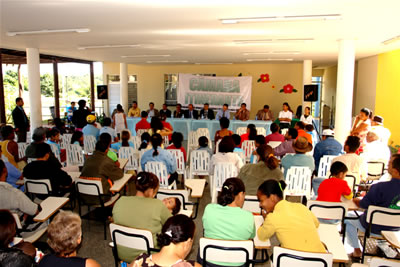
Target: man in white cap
(382, 132)
(328, 146)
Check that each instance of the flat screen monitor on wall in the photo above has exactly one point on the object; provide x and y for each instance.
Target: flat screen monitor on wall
(310, 92)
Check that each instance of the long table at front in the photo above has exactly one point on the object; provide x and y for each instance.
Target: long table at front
(186, 125)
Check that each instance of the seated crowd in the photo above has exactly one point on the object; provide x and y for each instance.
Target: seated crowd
(262, 175)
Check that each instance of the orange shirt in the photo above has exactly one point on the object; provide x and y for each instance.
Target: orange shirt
(301, 132)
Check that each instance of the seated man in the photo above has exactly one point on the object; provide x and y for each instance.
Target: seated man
(300, 159)
(223, 113)
(134, 111)
(275, 135)
(108, 129)
(90, 128)
(143, 124)
(165, 111)
(382, 132)
(300, 127)
(328, 146)
(265, 114)
(179, 113)
(10, 147)
(152, 112)
(41, 168)
(375, 150)
(191, 113)
(383, 194)
(13, 199)
(287, 145)
(243, 113)
(99, 165)
(207, 113)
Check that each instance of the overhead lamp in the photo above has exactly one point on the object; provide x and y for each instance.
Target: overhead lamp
(80, 30)
(391, 40)
(272, 41)
(269, 59)
(282, 18)
(167, 61)
(272, 52)
(107, 46)
(138, 56)
(225, 63)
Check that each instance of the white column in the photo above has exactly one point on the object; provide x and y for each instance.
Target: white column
(35, 105)
(307, 79)
(123, 77)
(344, 90)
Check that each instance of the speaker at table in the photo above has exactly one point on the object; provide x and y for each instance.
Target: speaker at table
(102, 92)
(310, 92)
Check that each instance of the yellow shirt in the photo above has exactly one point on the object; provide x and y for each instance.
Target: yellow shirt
(134, 112)
(294, 225)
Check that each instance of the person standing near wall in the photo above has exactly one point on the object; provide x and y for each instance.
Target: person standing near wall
(21, 121)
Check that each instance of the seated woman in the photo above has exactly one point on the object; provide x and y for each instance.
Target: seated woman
(160, 155)
(64, 235)
(293, 223)
(177, 139)
(227, 220)
(285, 116)
(250, 134)
(149, 213)
(125, 141)
(10, 147)
(224, 124)
(203, 145)
(306, 118)
(266, 168)
(145, 138)
(77, 138)
(225, 154)
(175, 241)
(157, 127)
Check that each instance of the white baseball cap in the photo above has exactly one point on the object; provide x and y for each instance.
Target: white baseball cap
(328, 132)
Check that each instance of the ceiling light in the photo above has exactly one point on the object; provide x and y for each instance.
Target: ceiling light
(226, 63)
(281, 18)
(269, 59)
(272, 41)
(391, 40)
(106, 46)
(272, 52)
(80, 30)
(167, 61)
(145, 56)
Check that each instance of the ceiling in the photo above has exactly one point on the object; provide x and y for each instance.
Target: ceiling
(192, 31)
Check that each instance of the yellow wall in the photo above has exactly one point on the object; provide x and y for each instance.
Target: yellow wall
(388, 93)
(151, 81)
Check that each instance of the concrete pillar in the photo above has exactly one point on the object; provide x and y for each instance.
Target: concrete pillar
(123, 77)
(307, 79)
(344, 90)
(35, 106)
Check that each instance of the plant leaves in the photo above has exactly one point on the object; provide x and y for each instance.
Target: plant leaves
(281, 90)
(259, 80)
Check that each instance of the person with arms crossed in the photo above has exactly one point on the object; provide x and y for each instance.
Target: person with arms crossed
(21, 121)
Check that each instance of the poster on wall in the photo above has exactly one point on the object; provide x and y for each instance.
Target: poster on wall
(216, 91)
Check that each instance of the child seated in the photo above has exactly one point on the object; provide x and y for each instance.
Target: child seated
(260, 140)
(203, 145)
(173, 204)
(237, 140)
(77, 138)
(145, 138)
(125, 141)
(54, 138)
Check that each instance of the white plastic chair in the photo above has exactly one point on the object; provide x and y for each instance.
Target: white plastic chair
(204, 132)
(298, 180)
(192, 142)
(21, 149)
(132, 156)
(251, 204)
(55, 151)
(129, 237)
(287, 257)
(140, 132)
(241, 130)
(325, 165)
(222, 171)
(248, 147)
(89, 144)
(217, 145)
(274, 144)
(65, 140)
(237, 252)
(74, 155)
(261, 131)
(180, 161)
(199, 163)
(160, 170)
(136, 141)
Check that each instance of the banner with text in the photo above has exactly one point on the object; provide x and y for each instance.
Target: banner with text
(216, 91)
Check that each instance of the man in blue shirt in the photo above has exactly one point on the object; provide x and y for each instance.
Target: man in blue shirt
(300, 159)
(383, 194)
(70, 111)
(328, 146)
(90, 128)
(224, 112)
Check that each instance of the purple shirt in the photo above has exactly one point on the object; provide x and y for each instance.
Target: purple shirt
(284, 148)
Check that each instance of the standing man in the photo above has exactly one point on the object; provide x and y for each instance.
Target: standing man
(134, 111)
(265, 114)
(207, 113)
(223, 113)
(21, 121)
(152, 112)
(191, 113)
(243, 113)
(165, 111)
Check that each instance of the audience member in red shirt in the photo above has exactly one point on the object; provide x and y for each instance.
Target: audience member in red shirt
(275, 136)
(143, 123)
(250, 134)
(166, 125)
(334, 188)
(300, 126)
(177, 139)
